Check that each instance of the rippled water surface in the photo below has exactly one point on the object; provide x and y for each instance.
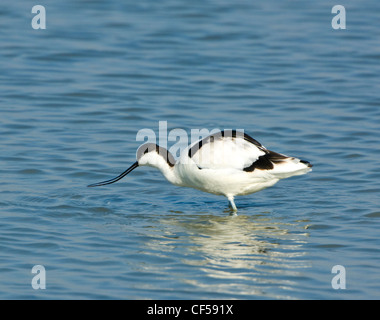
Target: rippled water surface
(74, 96)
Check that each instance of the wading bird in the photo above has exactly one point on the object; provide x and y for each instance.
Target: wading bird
(228, 163)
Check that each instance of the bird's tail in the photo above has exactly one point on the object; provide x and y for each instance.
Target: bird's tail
(290, 166)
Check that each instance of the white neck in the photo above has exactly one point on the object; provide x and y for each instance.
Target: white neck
(152, 159)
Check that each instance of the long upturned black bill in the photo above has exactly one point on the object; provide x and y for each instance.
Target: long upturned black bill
(133, 166)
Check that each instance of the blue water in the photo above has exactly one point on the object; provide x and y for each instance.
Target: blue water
(74, 96)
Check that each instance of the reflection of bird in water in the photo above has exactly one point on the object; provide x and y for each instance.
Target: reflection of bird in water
(238, 247)
(228, 163)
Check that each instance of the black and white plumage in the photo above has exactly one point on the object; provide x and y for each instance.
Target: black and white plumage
(228, 163)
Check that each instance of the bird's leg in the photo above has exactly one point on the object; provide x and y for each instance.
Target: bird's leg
(232, 203)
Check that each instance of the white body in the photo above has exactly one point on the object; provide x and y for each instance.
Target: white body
(229, 164)
(217, 168)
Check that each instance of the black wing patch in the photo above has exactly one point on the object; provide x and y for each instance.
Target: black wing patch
(266, 161)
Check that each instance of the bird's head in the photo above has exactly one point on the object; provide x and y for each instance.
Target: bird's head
(149, 154)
